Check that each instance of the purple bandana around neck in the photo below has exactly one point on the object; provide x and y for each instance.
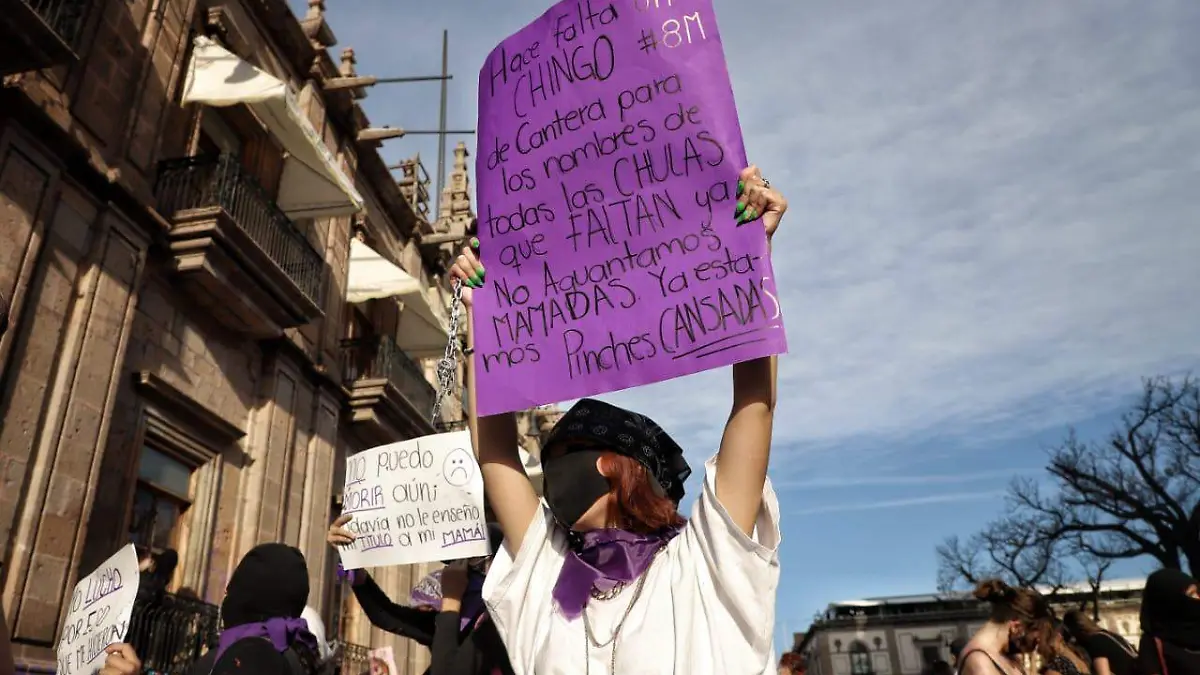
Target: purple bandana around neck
(603, 559)
(281, 631)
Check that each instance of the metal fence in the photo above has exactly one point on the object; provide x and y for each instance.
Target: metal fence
(220, 180)
(355, 659)
(382, 358)
(169, 636)
(65, 17)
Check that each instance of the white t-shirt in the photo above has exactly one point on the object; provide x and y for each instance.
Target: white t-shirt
(708, 605)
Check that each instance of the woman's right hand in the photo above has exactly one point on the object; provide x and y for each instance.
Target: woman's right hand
(338, 535)
(468, 270)
(121, 660)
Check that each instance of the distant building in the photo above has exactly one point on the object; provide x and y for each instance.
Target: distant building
(905, 635)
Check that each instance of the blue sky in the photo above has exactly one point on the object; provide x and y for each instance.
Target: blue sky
(993, 236)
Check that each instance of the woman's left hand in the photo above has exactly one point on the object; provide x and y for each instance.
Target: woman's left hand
(757, 199)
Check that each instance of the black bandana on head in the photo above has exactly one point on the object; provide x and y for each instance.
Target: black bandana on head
(629, 434)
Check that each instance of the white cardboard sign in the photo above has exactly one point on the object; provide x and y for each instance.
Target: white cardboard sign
(414, 501)
(101, 607)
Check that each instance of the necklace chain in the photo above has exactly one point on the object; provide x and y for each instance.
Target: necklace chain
(589, 639)
(610, 593)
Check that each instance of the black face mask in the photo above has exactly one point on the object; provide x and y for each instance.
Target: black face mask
(573, 484)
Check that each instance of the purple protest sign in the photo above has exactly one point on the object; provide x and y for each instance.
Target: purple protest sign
(607, 169)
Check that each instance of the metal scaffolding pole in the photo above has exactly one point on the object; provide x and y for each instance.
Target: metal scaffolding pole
(441, 173)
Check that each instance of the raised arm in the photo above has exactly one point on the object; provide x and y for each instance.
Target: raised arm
(746, 443)
(384, 614)
(505, 483)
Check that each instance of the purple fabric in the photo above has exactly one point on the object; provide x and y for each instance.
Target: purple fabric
(603, 559)
(472, 601)
(428, 593)
(281, 631)
(355, 577)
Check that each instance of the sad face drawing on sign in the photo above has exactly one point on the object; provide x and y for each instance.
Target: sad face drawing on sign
(458, 468)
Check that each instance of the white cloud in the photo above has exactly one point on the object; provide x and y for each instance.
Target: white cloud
(993, 219)
(898, 480)
(947, 498)
(993, 224)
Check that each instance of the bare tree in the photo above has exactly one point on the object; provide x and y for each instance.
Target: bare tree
(1135, 494)
(1094, 569)
(1010, 548)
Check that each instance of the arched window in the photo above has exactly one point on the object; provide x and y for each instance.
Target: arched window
(860, 659)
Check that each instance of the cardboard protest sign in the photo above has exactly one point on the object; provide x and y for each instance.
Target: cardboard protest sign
(101, 607)
(415, 501)
(607, 170)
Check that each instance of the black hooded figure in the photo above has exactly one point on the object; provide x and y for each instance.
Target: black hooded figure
(1170, 625)
(263, 633)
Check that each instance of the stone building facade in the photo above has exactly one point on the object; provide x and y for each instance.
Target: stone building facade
(182, 368)
(904, 635)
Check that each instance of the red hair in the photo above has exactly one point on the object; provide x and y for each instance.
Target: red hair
(793, 662)
(636, 505)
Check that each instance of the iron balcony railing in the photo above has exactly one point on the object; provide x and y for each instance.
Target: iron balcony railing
(171, 633)
(220, 181)
(64, 17)
(382, 358)
(356, 659)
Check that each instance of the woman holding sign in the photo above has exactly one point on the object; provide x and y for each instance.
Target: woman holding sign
(610, 578)
(451, 620)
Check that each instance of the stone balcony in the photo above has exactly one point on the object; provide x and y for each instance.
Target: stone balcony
(36, 34)
(390, 399)
(234, 251)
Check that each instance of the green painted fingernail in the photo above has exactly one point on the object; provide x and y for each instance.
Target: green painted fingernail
(474, 242)
(477, 280)
(741, 206)
(481, 272)
(741, 188)
(751, 214)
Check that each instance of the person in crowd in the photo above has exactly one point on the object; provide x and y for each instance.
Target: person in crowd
(1058, 656)
(609, 578)
(7, 665)
(1010, 632)
(264, 633)
(1109, 653)
(452, 621)
(326, 653)
(791, 663)
(956, 648)
(1170, 625)
(156, 572)
(940, 667)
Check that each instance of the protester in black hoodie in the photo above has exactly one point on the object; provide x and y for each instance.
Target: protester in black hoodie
(1170, 625)
(461, 637)
(263, 632)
